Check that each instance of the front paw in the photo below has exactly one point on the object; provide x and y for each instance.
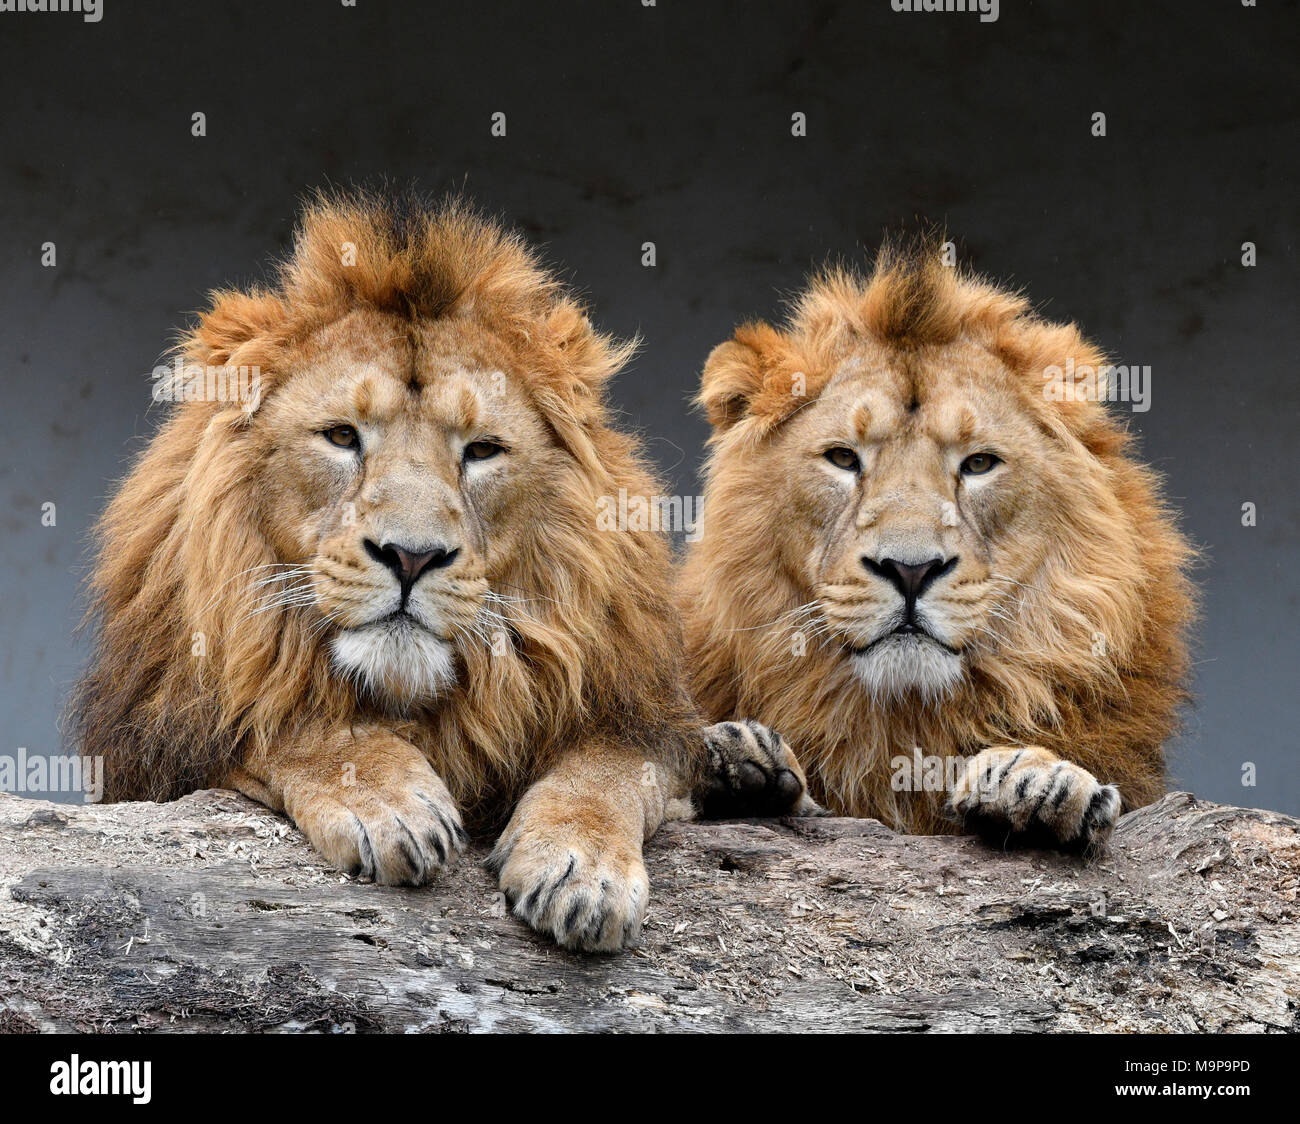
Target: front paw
(753, 772)
(398, 834)
(1032, 794)
(581, 892)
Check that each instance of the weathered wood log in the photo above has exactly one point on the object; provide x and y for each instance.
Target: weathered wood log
(214, 914)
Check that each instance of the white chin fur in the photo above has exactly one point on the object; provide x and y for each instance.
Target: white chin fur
(901, 665)
(400, 663)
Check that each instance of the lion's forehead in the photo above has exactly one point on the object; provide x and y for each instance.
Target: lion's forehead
(376, 368)
(455, 392)
(952, 397)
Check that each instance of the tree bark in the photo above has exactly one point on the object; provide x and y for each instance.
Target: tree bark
(214, 914)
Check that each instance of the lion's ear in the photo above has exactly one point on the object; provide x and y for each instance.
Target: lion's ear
(234, 320)
(587, 358)
(736, 371)
(239, 332)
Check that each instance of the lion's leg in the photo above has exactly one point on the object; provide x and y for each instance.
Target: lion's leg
(1029, 793)
(569, 861)
(752, 771)
(365, 798)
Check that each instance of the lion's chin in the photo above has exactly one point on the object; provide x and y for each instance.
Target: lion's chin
(903, 666)
(395, 662)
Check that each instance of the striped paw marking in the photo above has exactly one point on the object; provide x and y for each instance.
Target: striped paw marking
(753, 772)
(1032, 796)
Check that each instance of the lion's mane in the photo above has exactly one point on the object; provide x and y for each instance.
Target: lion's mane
(183, 681)
(1119, 572)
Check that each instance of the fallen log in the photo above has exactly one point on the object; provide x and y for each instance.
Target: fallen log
(212, 913)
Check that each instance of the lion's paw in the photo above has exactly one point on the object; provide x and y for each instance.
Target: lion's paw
(753, 772)
(582, 896)
(1036, 797)
(397, 836)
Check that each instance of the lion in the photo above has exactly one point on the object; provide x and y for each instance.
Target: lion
(934, 563)
(369, 592)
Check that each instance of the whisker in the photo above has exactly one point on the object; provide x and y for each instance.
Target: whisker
(243, 573)
(807, 608)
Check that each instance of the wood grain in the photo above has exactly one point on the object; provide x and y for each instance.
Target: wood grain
(213, 914)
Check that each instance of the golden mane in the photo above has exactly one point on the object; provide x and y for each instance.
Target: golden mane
(184, 681)
(909, 301)
(1118, 571)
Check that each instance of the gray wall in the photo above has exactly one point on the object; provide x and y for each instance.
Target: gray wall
(671, 124)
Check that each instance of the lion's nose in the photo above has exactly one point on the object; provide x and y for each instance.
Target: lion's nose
(911, 580)
(408, 563)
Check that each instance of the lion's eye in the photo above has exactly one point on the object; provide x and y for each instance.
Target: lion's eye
(482, 450)
(977, 464)
(344, 436)
(844, 458)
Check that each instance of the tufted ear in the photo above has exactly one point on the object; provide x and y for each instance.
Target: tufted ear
(237, 337)
(737, 372)
(574, 360)
(567, 364)
(570, 334)
(234, 320)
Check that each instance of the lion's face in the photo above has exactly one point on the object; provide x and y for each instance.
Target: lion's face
(916, 502)
(396, 529)
(400, 465)
(911, 541)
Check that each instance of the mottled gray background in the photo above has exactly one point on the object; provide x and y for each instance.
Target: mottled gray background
(671, 124)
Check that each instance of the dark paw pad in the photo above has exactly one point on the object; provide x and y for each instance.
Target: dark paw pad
(751, 772)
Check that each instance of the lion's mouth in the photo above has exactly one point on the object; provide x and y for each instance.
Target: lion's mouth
(907, 661)
(910, 633)
(401, 620)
